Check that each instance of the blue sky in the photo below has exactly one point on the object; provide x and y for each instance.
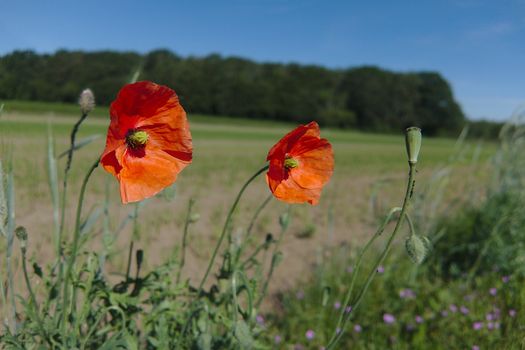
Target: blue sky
(479, 46)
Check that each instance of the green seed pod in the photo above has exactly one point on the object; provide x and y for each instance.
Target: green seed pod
(417, 248)
(86, 101)
(413, 143)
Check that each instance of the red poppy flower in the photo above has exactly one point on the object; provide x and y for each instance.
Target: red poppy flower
(301, 163)
(148, 141)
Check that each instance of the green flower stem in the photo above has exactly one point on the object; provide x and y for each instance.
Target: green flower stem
(273, 265)
(66, 173)
(226, 223)
(76, 238)
(33, 300)
(408, 195)
(251, 225)
(184, 239)
(357, 266)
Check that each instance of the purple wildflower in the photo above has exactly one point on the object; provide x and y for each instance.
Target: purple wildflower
(380, 269)
(493, 291)
(349, 269)
(407, 294)
(512, 313)
(419, 319)
(505, 279)
(310, 334)
(260, 320)
(348, 309)
(477, 326)
(464, 310)
(277, 339)
(444, 313)
(475, 347)
(489, 317)
(389, 318)
(357, 328)
(490, 325)
(337, 305)
(453, 308)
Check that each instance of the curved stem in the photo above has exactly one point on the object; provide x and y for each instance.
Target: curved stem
(273, 264)
(357, 267)
(251, 225)
(226, 223)
(66, 173)
(76, 238)
(408, 195)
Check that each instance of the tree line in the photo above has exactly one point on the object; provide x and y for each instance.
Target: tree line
(366, 98)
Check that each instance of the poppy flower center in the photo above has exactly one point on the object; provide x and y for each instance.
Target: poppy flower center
(290, 163)
(136, 138)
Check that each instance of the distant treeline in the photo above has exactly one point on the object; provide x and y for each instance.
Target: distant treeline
(366, 98)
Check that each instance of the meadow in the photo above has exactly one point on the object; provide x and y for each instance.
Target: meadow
(226, 152)
(321, 243)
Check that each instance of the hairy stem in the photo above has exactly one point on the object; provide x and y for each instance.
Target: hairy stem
(226, 224)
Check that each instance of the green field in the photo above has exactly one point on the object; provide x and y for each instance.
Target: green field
(226, 152)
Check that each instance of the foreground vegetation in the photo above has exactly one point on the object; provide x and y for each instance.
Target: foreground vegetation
(409, 306)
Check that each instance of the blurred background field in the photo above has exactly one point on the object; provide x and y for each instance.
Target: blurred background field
(369, 178)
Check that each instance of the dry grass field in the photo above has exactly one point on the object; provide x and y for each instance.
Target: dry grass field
(369, 173)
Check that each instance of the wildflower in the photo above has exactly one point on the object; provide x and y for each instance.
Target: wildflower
(475, 347)
(505, 279)
(477, 326)
(310, 334)
(337, 305)
(337, 330)
(493, 291)
(512, 313)
(349, 269)
(490, 325)
(301, 163)
(489, 317)
(380, 269)
(453, 308)
(444, 313)
(357, 328)
(148, 141)
(348, 309)
(277, 339)
(389, 318)
(464, 310)
(86, 101)
(407, 294)
(419, 319)
(260, 320)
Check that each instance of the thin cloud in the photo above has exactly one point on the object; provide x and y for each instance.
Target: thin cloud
(493, 30)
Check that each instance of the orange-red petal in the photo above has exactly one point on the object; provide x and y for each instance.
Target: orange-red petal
(143, 177)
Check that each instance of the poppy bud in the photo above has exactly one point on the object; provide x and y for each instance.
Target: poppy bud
(413, 143)
(21, 234)
(86, 101)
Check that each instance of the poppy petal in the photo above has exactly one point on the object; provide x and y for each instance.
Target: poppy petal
(315, 166)
(160, 167)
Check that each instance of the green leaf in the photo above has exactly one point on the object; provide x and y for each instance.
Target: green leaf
(244, 335)
(81, 143)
